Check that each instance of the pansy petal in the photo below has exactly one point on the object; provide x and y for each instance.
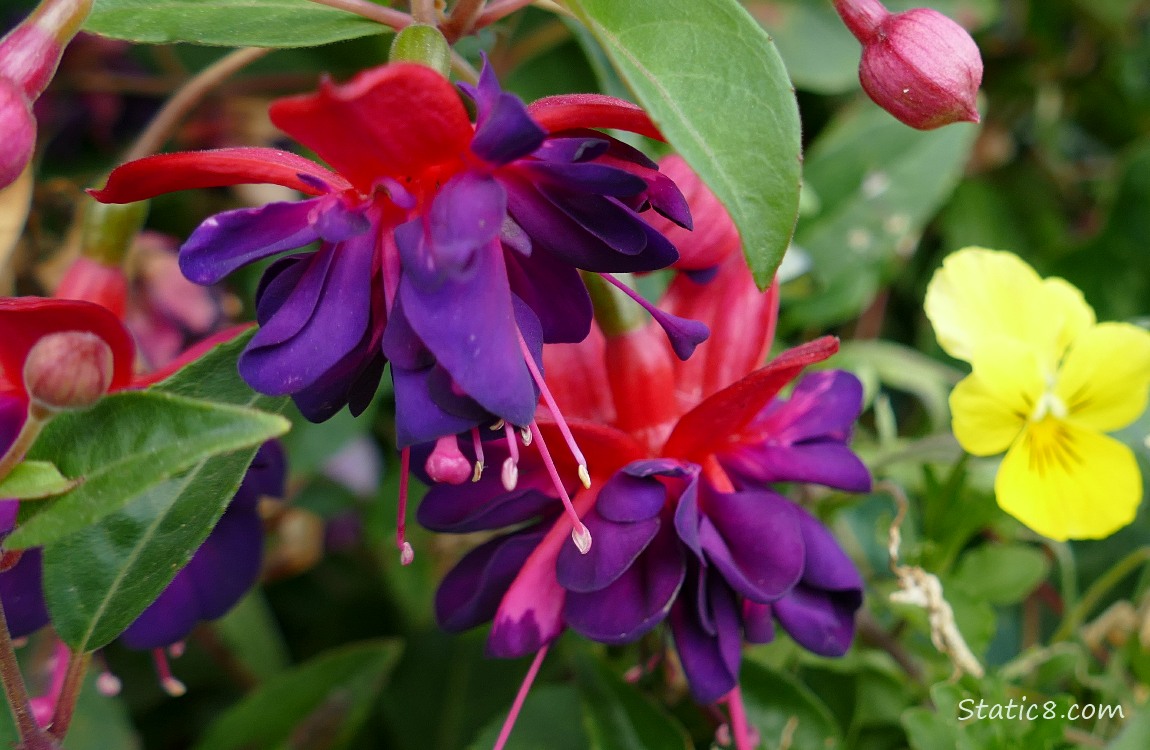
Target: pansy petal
(980, 293)
(1104, 378)
(754, 539)
(1067, 482)
(232, 239)
(407, 118)
(728, 412)
(990, 406)
(165, 173)
(635, 602)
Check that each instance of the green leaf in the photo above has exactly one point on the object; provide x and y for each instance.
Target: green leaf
(230, 23)
(125, 447)
(35, 480)
(879, 183)
(619, 717)
(546, 721)
(713, 82)
(1001, 573)
(778, 705)
(322, 703)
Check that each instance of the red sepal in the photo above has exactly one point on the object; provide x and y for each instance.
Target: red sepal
(191, 354)
(165, 173)
(722, 417)
(569, 111)
(25, 320)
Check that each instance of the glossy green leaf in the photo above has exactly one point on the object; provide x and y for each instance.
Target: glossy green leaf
(879, 183)
(322, 703)
(713, 82)
(97, 581)
(618, 716)
(34, 480)
(125, 447)
(776, 701)
(230, 23)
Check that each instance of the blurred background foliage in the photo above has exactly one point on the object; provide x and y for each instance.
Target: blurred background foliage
(1058, 172)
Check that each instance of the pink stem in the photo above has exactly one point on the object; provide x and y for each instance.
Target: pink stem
(743, 739)
(512, 715)
(406, 553)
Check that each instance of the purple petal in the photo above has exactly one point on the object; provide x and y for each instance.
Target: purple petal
(9, 511)
(828, 463)
(418, 418)
(758, 624)
(819, 621)
(635, 602)
(335, 221)
(628, 498)
(555, 292)
(22, 593)
(827, 565)
(504, 130)
(337, 321)
(755, 540)
(600, 179)
(469, 325)
(572, 149)
(688, 518)
(401, 344)
(617, 547)
(482, 505)
(470, 593)
(615, 225)
(824, 404)
(350, 382)
(227, 241)
(710, 662)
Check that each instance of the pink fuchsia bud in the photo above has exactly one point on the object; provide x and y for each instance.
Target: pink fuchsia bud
(68, 370)
(714, 236)
(92, 281)
(19, 129)
(30, 52)
(919, 65)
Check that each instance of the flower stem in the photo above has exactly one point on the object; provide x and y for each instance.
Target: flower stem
(386, 16)
(462, 19)
(15, 691)
(70, 693)
(498, 9)
(1078, 614)
(423, 11)
(29, 431)
(185, 100)
(520, 697)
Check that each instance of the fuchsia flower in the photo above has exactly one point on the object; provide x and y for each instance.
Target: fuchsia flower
(688, 529)
(448, 247)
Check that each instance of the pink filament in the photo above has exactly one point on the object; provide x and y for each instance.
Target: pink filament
(406, 553)
(512, 443)
(578, 527)
(743, 739)
(555, 413)
(477, 442)
(171, 685)
(520, 697)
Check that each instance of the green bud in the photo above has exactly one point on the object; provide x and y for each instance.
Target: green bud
(423, 44)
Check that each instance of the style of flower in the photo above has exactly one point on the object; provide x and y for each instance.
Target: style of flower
(449, 247)
(678, 537)
(1047, 382)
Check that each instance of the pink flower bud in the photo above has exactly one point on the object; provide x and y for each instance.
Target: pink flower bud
(19, 129)
(68, 370)
(920, 66)
(30, 52)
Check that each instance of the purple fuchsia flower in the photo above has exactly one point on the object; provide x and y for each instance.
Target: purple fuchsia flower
(449, 247)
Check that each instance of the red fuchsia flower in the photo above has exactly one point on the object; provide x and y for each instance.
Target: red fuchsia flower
(919, 65)
(678, 538)
(450, 247)
(29, 55)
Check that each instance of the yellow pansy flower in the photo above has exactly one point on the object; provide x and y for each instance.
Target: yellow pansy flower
(1047, 382)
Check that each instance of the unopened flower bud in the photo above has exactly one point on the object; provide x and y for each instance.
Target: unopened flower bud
(19, 129)
(919, 65)
(423, 44)
(30, 52)
(68, 370)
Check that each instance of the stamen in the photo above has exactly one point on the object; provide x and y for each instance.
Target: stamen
(406, 553)
(510, 473)
(579, 533)
(525, 435)
(498, 425)
(557, 415)
(177, 649)
(108, 684)
(683, 333)
(447, 463)
(168, 682)
(520, 697)
(477, 443)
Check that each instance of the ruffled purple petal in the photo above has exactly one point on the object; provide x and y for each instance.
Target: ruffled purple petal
(13, 412)
(555, 293)
(504, 130)
(828, 463)
(820, 621)
(572, 149)
(22, 592)
(469, 324)
(755, 540)
(227, 241)
(616, 549)
(470, 593)
(600, 179)
(350, 382)
(418, 418)
(334, 296)
(827, 565)
(824, 405)
(710, 662)
(626, 498)
(482, 505)
(635, 602)
(758, 623)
